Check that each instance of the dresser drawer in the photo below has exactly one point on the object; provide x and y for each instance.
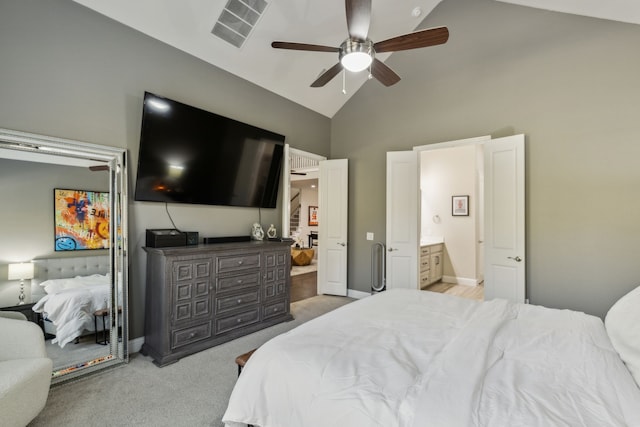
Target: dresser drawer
(239, 281)
(424, 263)
(239, 320)
(237, 262)
(190, 335)
(274, 309)
(243, 299)
(424, 278)
(425, 250)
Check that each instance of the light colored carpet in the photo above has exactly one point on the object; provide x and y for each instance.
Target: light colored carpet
(192, 392)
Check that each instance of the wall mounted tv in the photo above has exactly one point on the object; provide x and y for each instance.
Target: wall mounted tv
(189, 155)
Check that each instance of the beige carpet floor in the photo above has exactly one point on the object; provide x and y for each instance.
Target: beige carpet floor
(192, 392)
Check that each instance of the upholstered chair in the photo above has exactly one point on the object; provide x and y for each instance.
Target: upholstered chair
(25, 370)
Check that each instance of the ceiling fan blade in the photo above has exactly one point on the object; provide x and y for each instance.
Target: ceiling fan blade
(327, 75)
(423, 38)
(99, 168)
(358, 18)
(384, 74)
(304, 46)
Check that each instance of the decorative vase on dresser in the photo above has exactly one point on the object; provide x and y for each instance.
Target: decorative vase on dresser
(201, 296)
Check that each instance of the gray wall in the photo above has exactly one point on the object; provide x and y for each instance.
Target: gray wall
(67, 71)
(570, 84)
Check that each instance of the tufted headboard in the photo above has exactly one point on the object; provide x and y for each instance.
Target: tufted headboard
(61, 268)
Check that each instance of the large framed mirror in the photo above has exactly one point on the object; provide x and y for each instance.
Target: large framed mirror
(63, 255)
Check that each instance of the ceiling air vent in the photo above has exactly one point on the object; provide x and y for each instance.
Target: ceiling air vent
(237, 20)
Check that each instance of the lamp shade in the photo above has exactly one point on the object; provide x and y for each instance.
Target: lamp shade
(23, 270)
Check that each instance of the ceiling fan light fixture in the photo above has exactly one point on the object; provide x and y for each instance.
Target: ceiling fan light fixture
(356, 61)
(355, 55)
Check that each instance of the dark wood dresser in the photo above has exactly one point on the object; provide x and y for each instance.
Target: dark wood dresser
(201, 296)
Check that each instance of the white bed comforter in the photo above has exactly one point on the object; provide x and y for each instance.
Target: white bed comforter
(71, 310)
(413, 358)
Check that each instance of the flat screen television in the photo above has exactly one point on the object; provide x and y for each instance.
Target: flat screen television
(189, 155)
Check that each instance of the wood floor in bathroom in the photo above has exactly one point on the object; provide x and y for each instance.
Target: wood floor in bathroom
(473, 292)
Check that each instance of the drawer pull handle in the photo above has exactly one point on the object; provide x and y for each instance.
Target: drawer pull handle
(275, 309)
(239, 301)
(240, 262)
(192, 334)
(239, 282)
(239, 320)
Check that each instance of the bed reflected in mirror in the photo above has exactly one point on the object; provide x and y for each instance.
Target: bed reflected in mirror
(72, 301)
(64, 213)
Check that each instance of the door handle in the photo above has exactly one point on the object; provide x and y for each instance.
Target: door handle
(516, 258)
(391, 249)
(342, 244)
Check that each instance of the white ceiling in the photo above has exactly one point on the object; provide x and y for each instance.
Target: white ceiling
(187, 25)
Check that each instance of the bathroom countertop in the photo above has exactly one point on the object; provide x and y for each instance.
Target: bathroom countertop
(427, 241)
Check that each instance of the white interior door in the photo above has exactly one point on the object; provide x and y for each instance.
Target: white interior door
(403, 216)
(332, 230)
(504, 219)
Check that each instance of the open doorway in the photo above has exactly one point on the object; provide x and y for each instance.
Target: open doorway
(300, 221)
(494, 207)
(303, 226)
(451, 220)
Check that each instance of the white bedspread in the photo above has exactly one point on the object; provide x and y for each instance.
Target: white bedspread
(71, 310)
(413, 358)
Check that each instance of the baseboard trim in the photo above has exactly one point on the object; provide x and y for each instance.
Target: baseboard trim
(461, 281)
(352, 293)
(135, 345)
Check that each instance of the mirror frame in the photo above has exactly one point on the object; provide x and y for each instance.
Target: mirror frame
(39, 148)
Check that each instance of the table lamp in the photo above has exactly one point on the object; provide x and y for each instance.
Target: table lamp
(21, 271)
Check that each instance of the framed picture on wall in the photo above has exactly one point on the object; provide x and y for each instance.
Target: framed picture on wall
(81, 219)
(313, 215)
(460, 205)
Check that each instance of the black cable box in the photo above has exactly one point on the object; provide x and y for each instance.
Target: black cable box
(226, 239)
(164, 238)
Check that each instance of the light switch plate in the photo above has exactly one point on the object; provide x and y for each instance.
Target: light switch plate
(369, 236)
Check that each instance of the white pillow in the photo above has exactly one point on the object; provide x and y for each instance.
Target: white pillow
(623, 327)
(54, 285)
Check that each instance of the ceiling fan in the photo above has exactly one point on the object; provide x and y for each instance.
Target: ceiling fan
(357, 53)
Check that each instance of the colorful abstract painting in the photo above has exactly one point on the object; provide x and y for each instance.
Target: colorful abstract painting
(81, 220)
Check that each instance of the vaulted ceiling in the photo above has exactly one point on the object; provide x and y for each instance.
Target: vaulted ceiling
(189, 25)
